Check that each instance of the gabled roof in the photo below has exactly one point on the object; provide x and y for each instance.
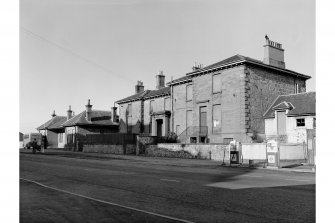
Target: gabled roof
(301, 104)
(133, 97)
(51, 122)
(97, 118)
(146, 94)
(237, 59)
(157, 93)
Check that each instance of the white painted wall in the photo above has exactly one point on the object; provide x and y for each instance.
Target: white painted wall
(254, 151)
(294, 134)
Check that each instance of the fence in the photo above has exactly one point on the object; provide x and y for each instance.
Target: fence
(109, 139)
(292, 153)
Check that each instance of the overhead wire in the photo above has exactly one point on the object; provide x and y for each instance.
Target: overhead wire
(72, 52)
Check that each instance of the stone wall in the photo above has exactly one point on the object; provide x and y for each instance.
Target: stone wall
(216, 152)
(112, 149)
(262, 88)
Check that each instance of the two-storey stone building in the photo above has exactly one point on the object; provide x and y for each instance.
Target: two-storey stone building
(227, 100)
(147, 111)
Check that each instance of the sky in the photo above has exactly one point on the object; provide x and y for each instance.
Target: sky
(75, 50)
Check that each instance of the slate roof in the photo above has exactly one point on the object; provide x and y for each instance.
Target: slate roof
(146, 94)
(52, 122)
(133, 97)
(160, 92)
(303, 104)
(235, 59)
(98, 118)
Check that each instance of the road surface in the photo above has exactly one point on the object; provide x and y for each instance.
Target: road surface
(75, 187)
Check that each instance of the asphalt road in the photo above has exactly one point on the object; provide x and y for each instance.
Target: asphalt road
(75, 187)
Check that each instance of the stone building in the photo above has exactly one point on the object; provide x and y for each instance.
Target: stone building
(147, 111)
(227, 100)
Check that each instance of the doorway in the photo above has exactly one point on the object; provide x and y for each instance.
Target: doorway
(159, 124)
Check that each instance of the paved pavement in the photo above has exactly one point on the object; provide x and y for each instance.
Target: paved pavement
(75, 187)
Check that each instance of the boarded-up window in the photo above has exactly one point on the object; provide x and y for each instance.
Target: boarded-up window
(216, 118)
(216, 83)
(189, 92)
(189, 120)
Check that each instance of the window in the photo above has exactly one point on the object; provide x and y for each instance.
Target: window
(314, 122)
(60, 137)
(216, 83)
(129, 110)
(189, 92)
(216, 118)
(300, 122)
(296, 88)
(151, 106)
(189, 120)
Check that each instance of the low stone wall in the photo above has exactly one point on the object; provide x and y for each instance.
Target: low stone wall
(112, 149)
(216, 152)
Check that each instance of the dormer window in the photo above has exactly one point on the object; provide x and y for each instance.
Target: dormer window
(300, 122)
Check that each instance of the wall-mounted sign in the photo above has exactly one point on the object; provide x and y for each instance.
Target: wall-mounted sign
(271, 159)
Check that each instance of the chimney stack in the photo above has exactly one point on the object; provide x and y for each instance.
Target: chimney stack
(53, 114)
(139, 87)
(160, 80)
(113, 114)
(69, 113)
(197, 66)
(88, 111)
(273, 53)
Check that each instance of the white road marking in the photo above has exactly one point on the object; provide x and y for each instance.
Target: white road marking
(297, 180)
(110, 203)
(170, 180)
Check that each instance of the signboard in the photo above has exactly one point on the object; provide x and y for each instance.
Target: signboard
(272, 146)
(234, 158)
(272, 159)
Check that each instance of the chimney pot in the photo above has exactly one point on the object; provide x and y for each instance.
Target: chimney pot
(53, 114)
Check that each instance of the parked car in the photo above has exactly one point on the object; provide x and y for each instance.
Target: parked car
(32, 141)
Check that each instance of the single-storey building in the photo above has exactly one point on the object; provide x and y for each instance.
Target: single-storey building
(50, 130)
(88, 122)
(290, 117)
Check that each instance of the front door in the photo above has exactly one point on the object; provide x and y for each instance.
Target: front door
(159, 127)
(203, 120)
